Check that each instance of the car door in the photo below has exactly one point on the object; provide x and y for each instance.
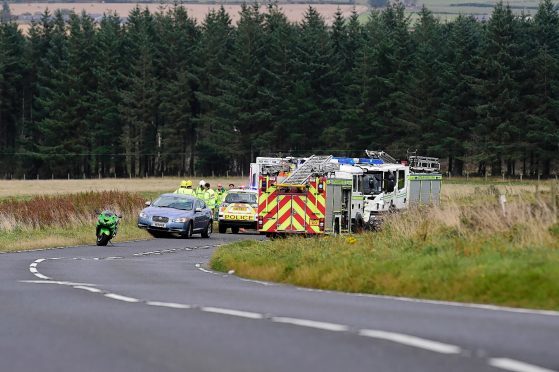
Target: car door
(200, 218)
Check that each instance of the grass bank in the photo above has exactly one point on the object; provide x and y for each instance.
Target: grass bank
(458, 252)
(65, 220)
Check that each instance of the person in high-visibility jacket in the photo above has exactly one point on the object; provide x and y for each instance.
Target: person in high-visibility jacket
(220, 195)
(209, 196)
(185, 188)
(200, 191)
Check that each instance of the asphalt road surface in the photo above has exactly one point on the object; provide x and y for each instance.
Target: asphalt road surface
(155, 306)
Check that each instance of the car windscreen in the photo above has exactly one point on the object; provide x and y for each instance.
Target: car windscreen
(244, 197)
(173, 202)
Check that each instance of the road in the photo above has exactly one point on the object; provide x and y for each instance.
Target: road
(155, 306)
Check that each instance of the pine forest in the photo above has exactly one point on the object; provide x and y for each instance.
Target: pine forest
(162, 94)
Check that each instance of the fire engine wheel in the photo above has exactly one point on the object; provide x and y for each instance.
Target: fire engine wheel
(235, 230)
(359, 224)
(222, 229)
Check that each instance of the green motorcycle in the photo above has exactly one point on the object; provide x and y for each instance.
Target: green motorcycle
(107, 226)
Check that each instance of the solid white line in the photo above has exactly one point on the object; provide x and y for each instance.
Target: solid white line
(39, 260)
(243, 314)
(34, 264)
(115, 296)
(33, 269)
(408, 340)
(168, 304)
(515, 365)
(311, 323)
(90, 289)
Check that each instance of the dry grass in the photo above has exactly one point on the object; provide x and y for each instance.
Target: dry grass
(64, 220)
(20, 188)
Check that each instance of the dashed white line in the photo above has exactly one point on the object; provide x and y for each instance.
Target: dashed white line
(311, 324)
(118, 297)
(89, 289)
(515, 365)
(243, 314)
(172, 305)
(418, 342)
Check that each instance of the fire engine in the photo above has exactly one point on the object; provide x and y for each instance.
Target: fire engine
(323, 194)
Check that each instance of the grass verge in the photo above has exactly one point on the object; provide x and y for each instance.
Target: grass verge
(455, 253)
(48, 237)
(65, 220)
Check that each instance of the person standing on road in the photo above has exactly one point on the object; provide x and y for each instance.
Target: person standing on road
(200, 191)
(209, 197)
(220, 195)
(185, 188)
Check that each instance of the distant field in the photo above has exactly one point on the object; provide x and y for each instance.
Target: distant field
(21, 189)
(294, 12)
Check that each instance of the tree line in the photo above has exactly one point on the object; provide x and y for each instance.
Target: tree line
(163, 94)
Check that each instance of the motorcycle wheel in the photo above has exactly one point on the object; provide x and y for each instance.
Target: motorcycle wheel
(103, 239)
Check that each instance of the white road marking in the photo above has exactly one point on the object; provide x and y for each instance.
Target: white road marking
(244, 314)
(89, 289)
(418, 342)
(52, 282)
(515, 365)
(256, 281)
(169, 304)
(311, 324)
(115, 296)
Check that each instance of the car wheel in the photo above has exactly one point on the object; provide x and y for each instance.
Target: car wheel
(189, 231)
(222, 229)
(208, 231)
(235, 230)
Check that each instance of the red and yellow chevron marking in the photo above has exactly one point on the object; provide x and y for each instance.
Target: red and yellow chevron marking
(289, 212)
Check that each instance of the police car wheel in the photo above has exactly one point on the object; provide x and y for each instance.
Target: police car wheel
(235, 230)
(222, 229)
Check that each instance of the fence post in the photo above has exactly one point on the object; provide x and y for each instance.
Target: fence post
(554, 186)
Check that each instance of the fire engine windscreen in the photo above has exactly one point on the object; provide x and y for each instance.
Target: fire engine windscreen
(247, 198)
(372, 183)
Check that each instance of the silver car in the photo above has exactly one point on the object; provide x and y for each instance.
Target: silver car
(176, 214)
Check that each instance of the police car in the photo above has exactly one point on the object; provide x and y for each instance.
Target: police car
(239, 210)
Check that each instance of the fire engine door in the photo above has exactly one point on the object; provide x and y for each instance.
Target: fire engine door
(291, 212)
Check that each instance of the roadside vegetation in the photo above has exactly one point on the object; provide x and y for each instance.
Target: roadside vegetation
(469, 249)
(65, 220)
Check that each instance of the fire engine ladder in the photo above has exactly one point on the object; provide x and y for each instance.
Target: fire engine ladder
(301, 175)
(381, 155)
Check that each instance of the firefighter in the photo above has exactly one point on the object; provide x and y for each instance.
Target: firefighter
(200, 190)
(185, 188)
(209, 197)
